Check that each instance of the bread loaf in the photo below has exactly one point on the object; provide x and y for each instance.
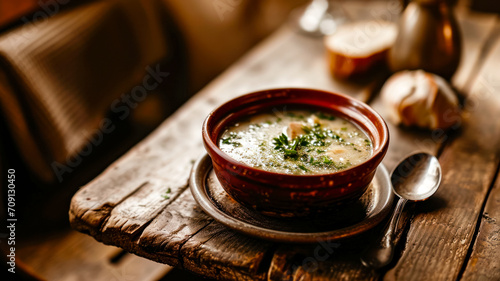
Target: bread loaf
(356, 48)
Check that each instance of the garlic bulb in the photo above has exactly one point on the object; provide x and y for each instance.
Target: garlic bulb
(418, 98)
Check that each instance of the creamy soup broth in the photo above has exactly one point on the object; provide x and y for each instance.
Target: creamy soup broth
(296, 142)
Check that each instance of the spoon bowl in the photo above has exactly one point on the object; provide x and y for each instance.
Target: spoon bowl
(417, 177)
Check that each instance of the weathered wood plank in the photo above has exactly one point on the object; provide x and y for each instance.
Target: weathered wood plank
(164, 237)
(442, 230)
(322, 261)
(216, 251)
(215, 246)
(484, 262)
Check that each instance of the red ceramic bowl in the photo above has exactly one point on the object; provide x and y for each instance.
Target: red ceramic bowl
(288, 195)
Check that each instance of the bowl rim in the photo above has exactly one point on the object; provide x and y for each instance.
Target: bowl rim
(376, 155)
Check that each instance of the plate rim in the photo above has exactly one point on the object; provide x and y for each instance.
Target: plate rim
(197, 180)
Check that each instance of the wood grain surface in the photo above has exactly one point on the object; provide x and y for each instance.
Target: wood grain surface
(124, 206)
(484, 262)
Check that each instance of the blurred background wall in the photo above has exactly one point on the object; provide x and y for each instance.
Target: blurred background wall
(216, 31)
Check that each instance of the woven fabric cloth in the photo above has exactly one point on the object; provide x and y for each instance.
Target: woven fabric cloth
(59, 76)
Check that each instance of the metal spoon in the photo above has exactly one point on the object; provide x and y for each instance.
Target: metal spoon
(416, 178)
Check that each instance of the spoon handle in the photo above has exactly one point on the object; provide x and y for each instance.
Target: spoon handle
(379, 253)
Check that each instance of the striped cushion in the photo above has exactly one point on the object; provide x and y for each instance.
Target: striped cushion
(59, 76)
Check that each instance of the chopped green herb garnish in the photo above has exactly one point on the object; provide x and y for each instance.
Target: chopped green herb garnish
(281, 141)
(318, 135)
(304, 158)
(233, 143)
(337, 137)
(290, 149)
(322, 115)
(344, 128)
(307, 129)
(302, 168)
(300, 141)
(230, 140)
(166, 196)
(327, 160)
(290, 153)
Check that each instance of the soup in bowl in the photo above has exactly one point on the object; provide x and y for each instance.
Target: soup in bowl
(295, 152)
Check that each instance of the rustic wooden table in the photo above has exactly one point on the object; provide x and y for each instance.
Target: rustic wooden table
(454, 235)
